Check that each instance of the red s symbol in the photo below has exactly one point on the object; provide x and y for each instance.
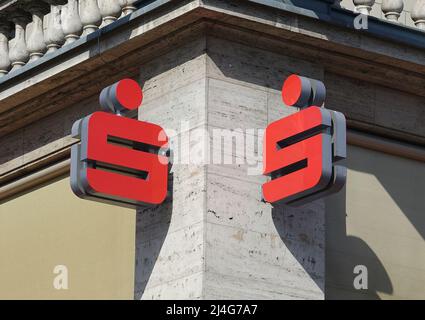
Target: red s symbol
(299, 150)
(119, 159)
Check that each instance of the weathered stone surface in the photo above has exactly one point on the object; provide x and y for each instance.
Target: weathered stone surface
(188, 103)
(167, 258)
(276, 109)
(45, 137)
(170, 237)
(12, 154)
(216, 222)
(375, 105)
(232, 106)
(187, 184)
(185, 288)
(256, 265)
(355, 98)
(251, 65)
(390, 111)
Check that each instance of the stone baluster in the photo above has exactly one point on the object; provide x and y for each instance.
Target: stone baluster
(392, 9)
(71, 22)
(18, 52)
(418, 14)
(4, 47)
(34, 32)
(90, 16)
(128, 6)
(364, 6)
(110, 11)
(53, 34)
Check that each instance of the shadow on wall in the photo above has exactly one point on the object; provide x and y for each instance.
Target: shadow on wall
(403, 181)
(152, 224)
(302, 231)
(344, 253)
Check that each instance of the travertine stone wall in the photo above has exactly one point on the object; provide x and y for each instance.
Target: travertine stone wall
(215, 238)
(170, 247)
(49, 135)
(254, 250)
(373, 105)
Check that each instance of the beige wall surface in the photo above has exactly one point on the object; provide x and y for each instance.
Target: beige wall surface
(377, 221)
(50, 226)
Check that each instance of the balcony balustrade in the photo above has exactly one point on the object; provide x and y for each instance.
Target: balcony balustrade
(30, 29)
(405, 12)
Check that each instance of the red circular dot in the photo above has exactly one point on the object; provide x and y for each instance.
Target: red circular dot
(291, 90)
(129, 94)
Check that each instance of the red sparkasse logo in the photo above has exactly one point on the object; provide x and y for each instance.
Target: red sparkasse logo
(300, 150)
(126, 161)
(119, 159)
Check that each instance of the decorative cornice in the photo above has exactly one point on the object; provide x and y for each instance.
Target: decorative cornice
(30, 93)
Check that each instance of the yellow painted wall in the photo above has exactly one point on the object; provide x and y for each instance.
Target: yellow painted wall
(378, 221)
(50, 226)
